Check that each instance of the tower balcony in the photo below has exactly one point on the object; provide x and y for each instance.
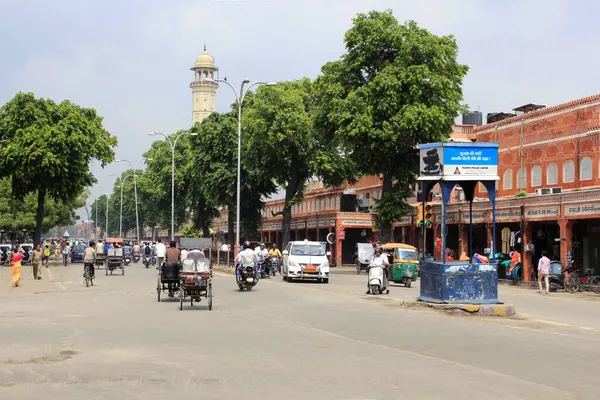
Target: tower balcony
(204, 83)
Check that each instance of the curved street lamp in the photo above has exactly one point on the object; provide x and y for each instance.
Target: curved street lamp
(121, 182)
(137, 217)
(173, 144)
(239, 97)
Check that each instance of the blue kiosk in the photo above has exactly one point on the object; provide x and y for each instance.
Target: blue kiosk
(463, 164)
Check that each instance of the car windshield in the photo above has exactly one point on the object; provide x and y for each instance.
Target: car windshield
(406, 254)
(308, 250)
(79, 248)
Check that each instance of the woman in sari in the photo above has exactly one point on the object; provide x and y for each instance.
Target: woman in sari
(15, 263)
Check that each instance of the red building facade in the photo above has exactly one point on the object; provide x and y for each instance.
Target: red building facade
(548, 195)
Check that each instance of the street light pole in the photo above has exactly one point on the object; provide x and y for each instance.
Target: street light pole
(122, 181)
(240, 100)
(172, 144)
(137, 217)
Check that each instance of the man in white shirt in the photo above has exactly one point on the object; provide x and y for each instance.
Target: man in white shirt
(380, 259)
(261, 252)
(160, 252)
(184, 254)
(247, 257)
(195, 254)
(99, 247)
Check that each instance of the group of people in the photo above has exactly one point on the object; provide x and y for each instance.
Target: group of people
(250, 258)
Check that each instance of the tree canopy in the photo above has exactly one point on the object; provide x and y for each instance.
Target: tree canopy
(396, 86)
(47, 148)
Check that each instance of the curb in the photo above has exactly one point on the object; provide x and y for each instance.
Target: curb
(494, 310)
(225, 270)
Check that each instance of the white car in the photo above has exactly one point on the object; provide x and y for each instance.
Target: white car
(305, 260)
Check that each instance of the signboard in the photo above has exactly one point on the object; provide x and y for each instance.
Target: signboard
(312, 224)
(357, 223)
(332, 222)
(478, 216)
(292, 226)
(458, 161)
(587, 209)
(195, 243)
(301, 225)
(508, 214)
(473, 161)
(452, 217)
(542, 212)
(342, 235)
(322, 223)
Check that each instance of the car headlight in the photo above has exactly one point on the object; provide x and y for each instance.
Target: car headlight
(293, 264)
(325, 265)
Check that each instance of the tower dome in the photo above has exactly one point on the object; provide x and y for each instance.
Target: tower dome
(205, 60)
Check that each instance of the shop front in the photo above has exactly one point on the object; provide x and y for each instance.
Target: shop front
(585, 241)
(352, 228)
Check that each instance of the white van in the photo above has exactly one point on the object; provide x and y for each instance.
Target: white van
(305, 260)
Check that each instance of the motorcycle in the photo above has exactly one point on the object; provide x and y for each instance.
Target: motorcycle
(247, 277)
(127, 259)
(261, 267)
(147, 261)
(377, 283)
(274, 265)
(136, 258)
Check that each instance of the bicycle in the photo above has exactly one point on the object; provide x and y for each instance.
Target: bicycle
(590, 283)
(87, 275)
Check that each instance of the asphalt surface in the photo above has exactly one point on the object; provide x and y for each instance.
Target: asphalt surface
(61, 340)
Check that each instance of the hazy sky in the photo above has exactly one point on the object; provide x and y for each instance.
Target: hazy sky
(131, 59)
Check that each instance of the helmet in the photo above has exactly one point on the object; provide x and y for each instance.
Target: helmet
(379, 250)
(246, 244)
(262, 244)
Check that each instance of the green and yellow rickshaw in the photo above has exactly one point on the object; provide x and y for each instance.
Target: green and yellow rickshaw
(404, 262)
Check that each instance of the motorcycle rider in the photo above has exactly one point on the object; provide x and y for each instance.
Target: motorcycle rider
(380, 259)
(274, 252)
(136, 249)
(262, 253)
(245, 258)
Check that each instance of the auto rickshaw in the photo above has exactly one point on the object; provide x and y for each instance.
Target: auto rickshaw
(405, 261)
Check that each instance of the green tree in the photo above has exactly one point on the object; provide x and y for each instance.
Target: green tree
(396, 86)
(284, 144)
(47, 148)
(19, 214)
(213, 173)
(98, 214)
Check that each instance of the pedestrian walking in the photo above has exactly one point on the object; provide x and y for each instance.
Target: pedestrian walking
(15, 264)
(65, 253)
(37, 257)
(57, 251)
(544, 271)
(46, 254)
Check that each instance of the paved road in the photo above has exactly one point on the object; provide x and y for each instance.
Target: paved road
(281, 341)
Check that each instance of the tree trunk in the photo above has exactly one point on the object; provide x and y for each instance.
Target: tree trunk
(39, 219)
(385, 228)
(205, 231)
(290, 192)
(230, 226)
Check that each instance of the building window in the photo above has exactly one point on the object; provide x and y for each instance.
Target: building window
(367, 195)
(327, 204)
(313, 206)
(507, 180)
(585, 169)
(536, 176)
(318, 205)
(337, 203)
(568, 172)
(552, 174)
(322, 204)
(522, 179)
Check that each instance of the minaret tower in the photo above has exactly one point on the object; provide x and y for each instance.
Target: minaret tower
(204, 89)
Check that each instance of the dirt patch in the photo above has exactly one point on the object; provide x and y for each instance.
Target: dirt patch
(55, 358)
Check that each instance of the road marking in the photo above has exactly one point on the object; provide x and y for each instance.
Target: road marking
(60, 284)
